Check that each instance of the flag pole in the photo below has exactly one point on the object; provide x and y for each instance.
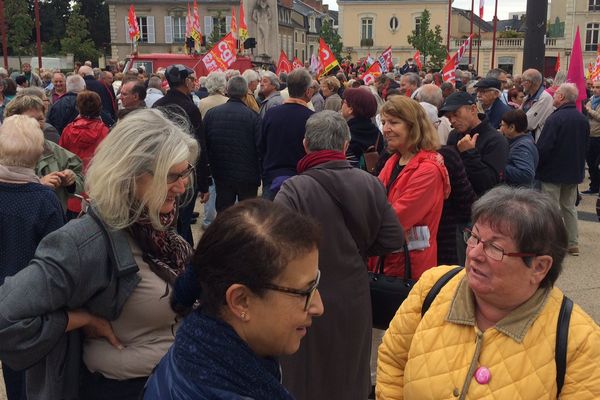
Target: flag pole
(4, 37)
(494, 36)
(478, 46)
(471, 41)
(449, 19)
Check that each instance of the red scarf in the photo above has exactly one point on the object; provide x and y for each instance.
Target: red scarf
(318, 157)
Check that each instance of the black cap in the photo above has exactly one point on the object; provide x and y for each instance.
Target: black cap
(489, 83)
(455, 101)
(176, 74)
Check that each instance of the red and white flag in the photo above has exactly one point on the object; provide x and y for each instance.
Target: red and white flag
(417, 58)
(449, 70)
(134, 28)
(284, 64)
(222, 55)
(297, 63)
(463, 48)
(481, 8)
(196, 32)
(385, 59)
(370, 74)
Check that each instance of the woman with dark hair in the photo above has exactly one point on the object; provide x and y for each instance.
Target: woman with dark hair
(83, 135)
(256, 273)
(358, 107)
(515, 97)
(523, 154)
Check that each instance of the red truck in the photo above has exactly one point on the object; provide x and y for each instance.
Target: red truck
(154, 61)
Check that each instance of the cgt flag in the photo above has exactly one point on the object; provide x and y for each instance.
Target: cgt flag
(370, 74)
(284, 64)
(328, 61)
(222, 55)
(449, 70)
(234, 30)
(297, 63)
(243, 30)
(196, 33)
(385, 59)
(134, 28)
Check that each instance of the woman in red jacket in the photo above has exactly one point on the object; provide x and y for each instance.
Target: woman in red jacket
(82, 136)
(416, 181)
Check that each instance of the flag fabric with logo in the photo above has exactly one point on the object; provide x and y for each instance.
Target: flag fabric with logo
(463, 48)
(284, 64)
(576, 74)
(369, 60)
(328, 61)
(134, 28)
(243, 30)
(297, 63)
(595, 70)
(196, 31)
(481, 8)
(370, 74)
(222, 55)
(385, 59)
(234, 30)
(449, 70)
(417, 58)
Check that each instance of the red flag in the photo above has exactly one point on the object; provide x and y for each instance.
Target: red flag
(557, 65)
(481, 8)
(134, 28)
(449, 70)
(326, 56)
(385, 59)
(576, 73)
(284, 64)
(417, 58)
(463, 48)
(370, 74)
(234, 30)
(189, 23)
(222, 55)
(243, 32)
(297, 63)
(595, 70)
(196, 31)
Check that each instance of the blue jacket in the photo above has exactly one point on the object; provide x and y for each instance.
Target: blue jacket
(495, 112)
(522, 161)
(562, 146)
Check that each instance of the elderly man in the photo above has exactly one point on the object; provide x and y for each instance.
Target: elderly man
(432, 95)
(283, 131)
(409, 83)
(502, 76)
(232, 133)
(109, 106)
(562, 146)
(64, 110)
(356, 223)
(215, 85)
(252, 79)
(59, 87)
(488, 95)
(593, 152)
(154, 91)
(269, 88)
(133, 96)
(537, 103)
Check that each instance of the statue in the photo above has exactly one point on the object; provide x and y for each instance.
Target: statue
(262, 15)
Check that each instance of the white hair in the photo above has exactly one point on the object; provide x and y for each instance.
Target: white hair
(216, 82)
(250, 75)
(75, 84)
(21, 141)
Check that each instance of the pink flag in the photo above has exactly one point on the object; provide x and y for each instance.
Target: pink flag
(576, 73)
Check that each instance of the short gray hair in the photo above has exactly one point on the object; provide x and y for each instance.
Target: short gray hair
(531, 218)
(146, 143)
(326, 130)
(216, 82)
(533, 75)
(21, 142)
(230, 73)
(250, 75)
(237, 87)
(271, 77)
(569, 90)
(431, 94)
(155, 82)
(75, 84)
(413, 79)
(495, 73)
(23, 103)
(298, 82)
(85, 70)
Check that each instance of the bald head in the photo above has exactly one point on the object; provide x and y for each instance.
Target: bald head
(431, 94)
(86, 71)
(532, 80)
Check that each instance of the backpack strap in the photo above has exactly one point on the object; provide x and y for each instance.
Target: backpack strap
(562, 337)
(435, 289)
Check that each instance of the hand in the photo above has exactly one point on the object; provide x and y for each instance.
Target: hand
(67, 177)
(52, 180)
(467, 142)
(204, 197)
(100, 328)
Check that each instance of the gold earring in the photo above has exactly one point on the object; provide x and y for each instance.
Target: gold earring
(243, 315)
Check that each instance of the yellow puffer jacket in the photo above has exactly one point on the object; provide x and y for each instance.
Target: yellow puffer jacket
(434, 358)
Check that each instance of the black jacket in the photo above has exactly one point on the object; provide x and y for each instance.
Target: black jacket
(485, 163)
(63, 111)
(562, 146)
(363, 134)
(232, 133)
(108, 101)
(177, 102)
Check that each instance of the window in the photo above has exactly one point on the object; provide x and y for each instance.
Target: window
(594, 5)
(312, 27)
(143, 24)
(591, 37)
(394, 24)
(367, 28)
(146, 25)
(417, 24)
(178, 29)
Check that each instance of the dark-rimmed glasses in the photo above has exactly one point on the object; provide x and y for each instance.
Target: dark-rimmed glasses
(172, 178)
(490, 249)
(309, 293)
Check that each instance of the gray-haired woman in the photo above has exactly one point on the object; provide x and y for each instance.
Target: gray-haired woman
(215, 85)
(114, 264)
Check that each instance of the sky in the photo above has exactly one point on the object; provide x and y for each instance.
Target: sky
(504, 7)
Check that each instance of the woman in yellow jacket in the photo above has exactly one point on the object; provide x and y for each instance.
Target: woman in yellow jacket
(490, 333)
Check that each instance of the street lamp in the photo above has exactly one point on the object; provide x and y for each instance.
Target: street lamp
(567, 53)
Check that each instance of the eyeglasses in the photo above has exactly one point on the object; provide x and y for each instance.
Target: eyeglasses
(490, 249)
(172, 178)
(309, 294)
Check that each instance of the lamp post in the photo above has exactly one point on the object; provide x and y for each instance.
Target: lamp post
(568, 54)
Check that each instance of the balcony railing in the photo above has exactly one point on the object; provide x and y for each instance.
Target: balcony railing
(509, 43)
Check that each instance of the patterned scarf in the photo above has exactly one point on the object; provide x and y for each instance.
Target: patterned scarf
(318, 157)
(166, 252)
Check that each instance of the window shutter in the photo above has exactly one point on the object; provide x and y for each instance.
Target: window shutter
(151, 36)
(168, 29)
(208, 25)
(227, 24)
(127, 40)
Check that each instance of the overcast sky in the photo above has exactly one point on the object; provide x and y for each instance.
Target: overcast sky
(504, 7)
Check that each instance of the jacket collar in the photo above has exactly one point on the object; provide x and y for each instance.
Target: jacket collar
(515, 325)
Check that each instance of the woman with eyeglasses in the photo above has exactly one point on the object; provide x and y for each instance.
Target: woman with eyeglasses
(492, 331)
(89, 317)
(255, 276)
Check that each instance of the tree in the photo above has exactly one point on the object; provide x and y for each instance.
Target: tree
(429, 42)
(96, 13)
(20, 26)
(77, 38)
(219, 26)
(332, 39)
(53, 13)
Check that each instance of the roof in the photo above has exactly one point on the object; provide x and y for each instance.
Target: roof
(484, 25)
(513, 24)
(306, 10)
(170, 2)
(335, 15)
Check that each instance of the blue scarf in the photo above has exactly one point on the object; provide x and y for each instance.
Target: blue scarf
(210, 353)
(595, 102)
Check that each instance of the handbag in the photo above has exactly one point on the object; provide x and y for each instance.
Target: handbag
(371, 157)
(388, 292)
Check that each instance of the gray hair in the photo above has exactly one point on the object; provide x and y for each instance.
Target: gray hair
(326, 130)
(59, 73)
(85, 70)
(466, 74)
(495, 73)
(202, 81)
(23, 103)
(560, 78)
(569, 90)
(531, 218)
(271, 77)
(237, 87)
(216, 82)
(413, 79)
(33, 91)
(431, 94)
(146, 143)
(21, 141)
(534, 75)
(299, 81)
(230, 73)
(250, 75)
(155, 82)
(75, 84)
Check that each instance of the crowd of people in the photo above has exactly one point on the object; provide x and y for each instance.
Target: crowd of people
(307, 183)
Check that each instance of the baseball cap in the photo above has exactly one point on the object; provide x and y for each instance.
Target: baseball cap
(177, 73)
(489, 83)
(455, 101)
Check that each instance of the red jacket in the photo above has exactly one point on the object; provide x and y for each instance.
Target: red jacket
(417, 196)
(81, 137)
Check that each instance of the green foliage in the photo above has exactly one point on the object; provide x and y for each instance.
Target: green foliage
(216, 35)
(429, 42)
(20, 26)
(332, 39)
(510, 34)
(77, 37)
